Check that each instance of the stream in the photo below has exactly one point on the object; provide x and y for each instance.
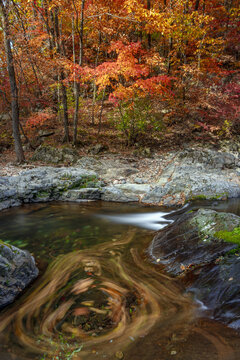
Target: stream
(98, 296)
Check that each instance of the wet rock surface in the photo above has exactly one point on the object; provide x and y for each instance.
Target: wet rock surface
(207, 265)
(17, 270)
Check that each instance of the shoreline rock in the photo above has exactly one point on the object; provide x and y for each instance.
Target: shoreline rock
(192, 250)
(168, 180)
(17, 270)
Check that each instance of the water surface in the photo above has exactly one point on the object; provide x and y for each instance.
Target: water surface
(98, 296)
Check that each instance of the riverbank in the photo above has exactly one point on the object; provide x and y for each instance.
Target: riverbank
(168, 179)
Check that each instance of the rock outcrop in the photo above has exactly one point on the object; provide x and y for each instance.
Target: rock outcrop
(17, 270)
(43, 184)
(194, 249)
(168, 180)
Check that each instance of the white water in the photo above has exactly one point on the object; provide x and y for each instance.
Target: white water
(151, 221)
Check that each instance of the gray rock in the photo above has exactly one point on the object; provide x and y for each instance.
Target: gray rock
(124, 192)
(118, 172)
(139, 180)
(44, 184)
(98, 148)
(208, 222)
(17, 270)
(135, 189)
(83, 194)
(191, 241)
(49, 154)
(112, 193)
(89, 163)
(212, 158)
(183, 180)
(174, 178)
(191, 248)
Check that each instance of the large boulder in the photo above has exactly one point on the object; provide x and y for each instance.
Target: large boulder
(190, 241)
(196, 174)
(43, 184)
(202, 249)
(17, 270)
(49, 154)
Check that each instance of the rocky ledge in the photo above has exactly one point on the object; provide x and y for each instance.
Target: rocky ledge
(17, 270)
(170, 179)
(202, 249)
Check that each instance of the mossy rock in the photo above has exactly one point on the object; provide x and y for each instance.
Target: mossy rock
(209, 223)
(229, 236)
(52, 155)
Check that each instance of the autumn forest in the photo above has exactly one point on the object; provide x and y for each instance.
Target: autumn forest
(125, 72)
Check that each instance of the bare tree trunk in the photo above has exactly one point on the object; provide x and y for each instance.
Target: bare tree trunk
(60, 50)
(170, 41)
(65, 109)
(94, 81)
(101, 111)
(149, 35)
(12, 79)
(77, 87)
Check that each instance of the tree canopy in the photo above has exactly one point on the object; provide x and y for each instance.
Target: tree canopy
(154, 63)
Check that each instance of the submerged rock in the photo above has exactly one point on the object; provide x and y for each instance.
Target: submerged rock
(193, 249)
(17, 270)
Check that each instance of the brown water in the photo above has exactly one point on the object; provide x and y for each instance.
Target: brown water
(98, 297)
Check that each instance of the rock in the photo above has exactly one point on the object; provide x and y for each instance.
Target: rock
(171, 179)
(49, 154)
(6, 116)
(192, 248)
(82, 194)
(89, 163)
(146, 151)
(98, 148)
(44, 133)
(190, 241)
(44, 184)
(183, 180)
(112, 193)
(212, 158)
(119, 172)
(139, 180)
(209, 222)
(137, 189)
(17, 270)
(124, 192)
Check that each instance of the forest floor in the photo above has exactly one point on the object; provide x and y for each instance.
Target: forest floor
(174, 137)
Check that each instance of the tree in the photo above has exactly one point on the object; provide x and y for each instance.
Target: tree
(4, 6)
